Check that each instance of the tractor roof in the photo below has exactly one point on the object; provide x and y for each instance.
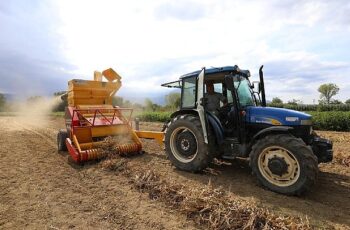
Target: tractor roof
(218, 70)
(215, 73)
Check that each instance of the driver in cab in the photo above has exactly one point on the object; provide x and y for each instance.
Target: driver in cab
(213, 99)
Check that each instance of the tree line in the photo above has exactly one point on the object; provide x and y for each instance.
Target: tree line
(327, 93)
(172, 100)
(172, 103)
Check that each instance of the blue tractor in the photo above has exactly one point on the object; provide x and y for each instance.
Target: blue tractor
(283, 150)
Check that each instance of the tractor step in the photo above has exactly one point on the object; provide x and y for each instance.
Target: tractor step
(231, 148)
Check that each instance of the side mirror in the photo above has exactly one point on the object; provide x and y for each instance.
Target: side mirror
(256, 85)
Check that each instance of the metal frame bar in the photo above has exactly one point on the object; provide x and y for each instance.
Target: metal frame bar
(116, 113)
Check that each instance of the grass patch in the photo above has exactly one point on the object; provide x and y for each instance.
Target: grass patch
(155, 116)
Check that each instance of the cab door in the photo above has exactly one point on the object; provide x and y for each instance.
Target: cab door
(236, 111)
(200, 104)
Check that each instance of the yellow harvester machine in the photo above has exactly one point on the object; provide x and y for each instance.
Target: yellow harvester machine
(91, 117)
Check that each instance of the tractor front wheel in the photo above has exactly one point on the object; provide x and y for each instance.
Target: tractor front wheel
(284, 164)
(184, 144)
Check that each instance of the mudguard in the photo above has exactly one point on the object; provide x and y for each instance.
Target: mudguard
(264, 132)
(217, 127)
(272, 129)
(212, 120)
(184, 111)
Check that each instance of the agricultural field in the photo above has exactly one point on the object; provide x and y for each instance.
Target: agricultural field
(41, 189)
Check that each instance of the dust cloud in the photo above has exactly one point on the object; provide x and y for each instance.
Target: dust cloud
(36, 112)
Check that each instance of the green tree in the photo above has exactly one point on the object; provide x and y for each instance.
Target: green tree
(276, 100)
(2, 102)
(294, 102)
(156, 107)
(327, 91)
(347, 102)
(336, 102)
(173, 100)
(148, 104)
(127, 104)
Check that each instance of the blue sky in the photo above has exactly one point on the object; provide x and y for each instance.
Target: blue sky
(302, 44)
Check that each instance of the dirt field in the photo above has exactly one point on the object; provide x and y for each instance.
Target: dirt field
(40, 189)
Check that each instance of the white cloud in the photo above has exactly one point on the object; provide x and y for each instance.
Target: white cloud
(301, 43)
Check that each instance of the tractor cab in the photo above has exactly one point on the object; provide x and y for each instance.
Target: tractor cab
(232, 84)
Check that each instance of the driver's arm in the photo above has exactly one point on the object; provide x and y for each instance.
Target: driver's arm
(223, 99)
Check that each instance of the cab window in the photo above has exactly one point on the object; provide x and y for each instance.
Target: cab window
(229, 96)
(188, 99)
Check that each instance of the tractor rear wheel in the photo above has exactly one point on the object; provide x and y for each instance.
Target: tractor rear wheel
(284, 164)
(184, 144)
(61, 140)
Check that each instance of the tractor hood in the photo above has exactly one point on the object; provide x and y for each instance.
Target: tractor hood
(277, 116)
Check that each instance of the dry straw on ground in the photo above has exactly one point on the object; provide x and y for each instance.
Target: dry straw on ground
(115, 164)
(213, 208)
(208, 207)
(342, 159)
(109, 146)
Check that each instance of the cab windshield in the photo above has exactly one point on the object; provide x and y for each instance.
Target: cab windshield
(244, 92)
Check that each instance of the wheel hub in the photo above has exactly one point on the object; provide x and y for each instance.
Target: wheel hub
(278, 166)
(186, 144)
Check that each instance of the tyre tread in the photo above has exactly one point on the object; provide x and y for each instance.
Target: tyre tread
(203, 158)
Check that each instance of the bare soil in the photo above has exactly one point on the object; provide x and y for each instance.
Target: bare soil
(41, 189)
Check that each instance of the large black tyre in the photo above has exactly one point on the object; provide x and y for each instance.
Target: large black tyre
(184, 144)
(61, 140)
(284, 164)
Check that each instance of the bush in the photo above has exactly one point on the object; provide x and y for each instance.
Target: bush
(340, 107)
(277, 105)
(320, 108)
(155, 116)
(332, 121)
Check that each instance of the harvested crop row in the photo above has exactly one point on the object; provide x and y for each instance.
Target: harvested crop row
(208, 207)
(342, 159)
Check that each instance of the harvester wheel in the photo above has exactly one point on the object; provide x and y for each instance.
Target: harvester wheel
(184, 144)
(61, 140)
(284, 164)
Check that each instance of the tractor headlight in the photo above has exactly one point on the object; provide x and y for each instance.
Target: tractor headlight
(306, 122)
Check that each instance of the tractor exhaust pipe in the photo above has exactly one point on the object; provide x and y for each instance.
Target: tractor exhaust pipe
(262, 87)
